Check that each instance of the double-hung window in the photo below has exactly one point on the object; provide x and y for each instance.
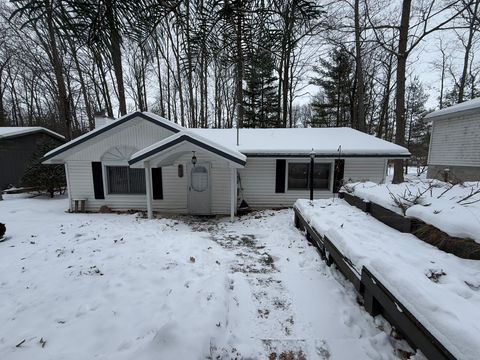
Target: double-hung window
(125, 180)
(299, 176)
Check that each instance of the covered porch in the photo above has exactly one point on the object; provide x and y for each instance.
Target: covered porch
(199, 171)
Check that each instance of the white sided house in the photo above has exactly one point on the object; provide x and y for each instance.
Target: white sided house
(143, 161)
(455, 142)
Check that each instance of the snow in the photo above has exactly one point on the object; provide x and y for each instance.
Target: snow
(111, 286)
(441, 290)
(296, 141)
(10, 131)
(301, 141)
(454, 109)
(438, 205)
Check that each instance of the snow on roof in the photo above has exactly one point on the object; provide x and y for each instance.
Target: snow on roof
(12, 131)
(464, 106)
(91, 134)
(301, 141)
(291, 141)
(192, 137)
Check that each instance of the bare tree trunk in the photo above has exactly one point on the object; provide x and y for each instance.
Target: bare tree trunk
(116, 54)
(239, 67)
(401, 81)
(383, 122)
(468, 48)
(160, 83)
(83, 86)
(442, 77)
(63, 104)
(360, 91)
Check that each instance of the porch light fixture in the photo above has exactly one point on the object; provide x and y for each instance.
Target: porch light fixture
(194, 158)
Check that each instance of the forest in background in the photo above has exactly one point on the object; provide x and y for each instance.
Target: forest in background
(245, 63)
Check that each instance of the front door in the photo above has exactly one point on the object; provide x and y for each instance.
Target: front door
(199, 189)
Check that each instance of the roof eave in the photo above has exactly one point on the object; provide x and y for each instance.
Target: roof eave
(328, 155)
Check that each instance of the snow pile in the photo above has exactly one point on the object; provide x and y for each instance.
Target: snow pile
(110, 286)
(452, 209)
(441, 290)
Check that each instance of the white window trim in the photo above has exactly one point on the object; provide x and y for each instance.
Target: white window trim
(105, 180)
(307, 161)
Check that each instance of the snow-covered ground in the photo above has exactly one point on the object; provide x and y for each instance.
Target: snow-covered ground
(453, 209)
(440, 289)
(107, 286)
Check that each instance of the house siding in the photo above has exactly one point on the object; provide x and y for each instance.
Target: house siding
(136, 135)
(454, 141)
(16, 154)
(258, 180)
(175, 189)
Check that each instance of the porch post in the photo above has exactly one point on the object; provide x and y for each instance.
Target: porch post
(233, 192)
(148, 183)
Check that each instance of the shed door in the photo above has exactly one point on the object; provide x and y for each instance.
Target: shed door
(199, 190)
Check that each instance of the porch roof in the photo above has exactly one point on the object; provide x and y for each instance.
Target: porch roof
(183, 137)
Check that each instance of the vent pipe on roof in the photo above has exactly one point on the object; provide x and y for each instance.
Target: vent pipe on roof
(238, 135)
(101, 119)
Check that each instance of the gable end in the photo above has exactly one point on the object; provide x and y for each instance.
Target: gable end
(106, 128)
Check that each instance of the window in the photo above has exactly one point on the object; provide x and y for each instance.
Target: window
(199, 179)
(299, 176)
(124, 180)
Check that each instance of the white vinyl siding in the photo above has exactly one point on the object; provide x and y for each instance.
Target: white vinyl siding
(258, 183)
(455, 141)
(365, 169)
(258, 180)
(137, 136)
(175, 189)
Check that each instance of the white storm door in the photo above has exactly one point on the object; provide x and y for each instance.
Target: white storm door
(199, 187)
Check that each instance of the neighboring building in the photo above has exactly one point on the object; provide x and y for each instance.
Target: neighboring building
(143, 161)
(17, 147)
(455, 142)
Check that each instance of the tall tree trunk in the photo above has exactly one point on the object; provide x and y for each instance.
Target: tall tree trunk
(468, 48)
(116, 54)
(442, 77)
(360, 93)
(160, 83)
(383, 122)
(191, 98)
(63, 104)
(239, 68)
(83, 86)
(401, 81)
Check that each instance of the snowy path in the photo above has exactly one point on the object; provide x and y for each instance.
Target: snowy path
(119, 287)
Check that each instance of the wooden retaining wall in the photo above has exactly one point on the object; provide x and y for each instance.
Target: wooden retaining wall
(378, 300)
(464, 248)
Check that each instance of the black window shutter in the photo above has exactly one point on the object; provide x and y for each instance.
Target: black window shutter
(280, 176)
(338, 175)
(97, 180)
(157, 183)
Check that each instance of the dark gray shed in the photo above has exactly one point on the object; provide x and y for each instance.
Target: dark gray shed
(17, 146)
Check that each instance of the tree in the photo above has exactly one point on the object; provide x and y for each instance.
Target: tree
(260, 101)
(336, 78)
(417, 134)
(43, 16)
(48, 178)
(409, 37)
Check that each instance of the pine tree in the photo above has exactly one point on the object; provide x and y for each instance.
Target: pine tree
(260, 97)
(417, 130)
(334, 106)
(48, 178)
